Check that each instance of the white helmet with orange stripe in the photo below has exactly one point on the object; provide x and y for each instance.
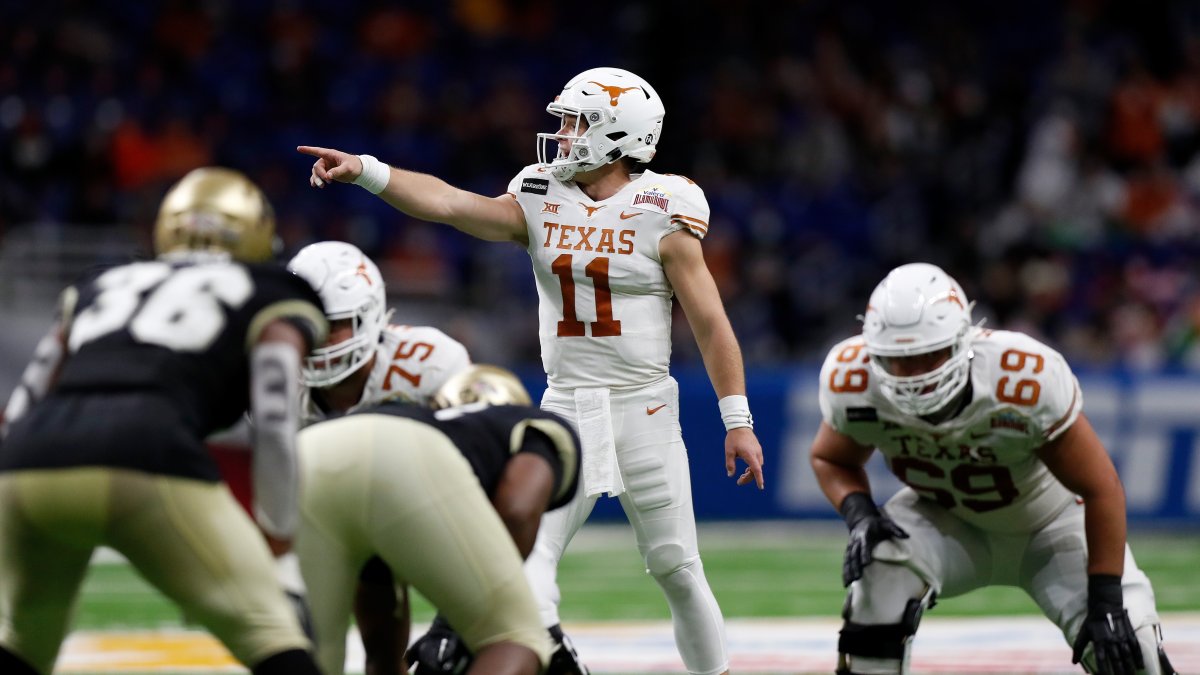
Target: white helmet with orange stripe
(917, 328)
(352, 290)
(607, 114)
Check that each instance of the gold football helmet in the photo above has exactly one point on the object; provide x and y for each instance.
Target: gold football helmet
(218, 211)
(481, 384)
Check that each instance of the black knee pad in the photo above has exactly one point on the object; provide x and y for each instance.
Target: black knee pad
(877, 642)
(915, 609)
(889, 641)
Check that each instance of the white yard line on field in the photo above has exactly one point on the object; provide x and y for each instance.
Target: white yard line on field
(994, 646)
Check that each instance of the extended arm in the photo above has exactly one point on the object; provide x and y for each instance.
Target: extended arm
(521, 497)
(426, 197)
(274, 407)
(838, 461)
(1078, 459)
(683, 263)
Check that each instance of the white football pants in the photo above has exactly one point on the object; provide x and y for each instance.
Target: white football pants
(954, 558)
(657, 501)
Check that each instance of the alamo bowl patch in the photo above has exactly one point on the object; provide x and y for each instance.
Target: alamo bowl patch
(537, 186)
(652, 199)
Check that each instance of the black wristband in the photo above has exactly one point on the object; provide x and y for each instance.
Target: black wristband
(1104, 590)
(856, 506)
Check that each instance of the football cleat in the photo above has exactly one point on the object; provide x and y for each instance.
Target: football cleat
(564, 660)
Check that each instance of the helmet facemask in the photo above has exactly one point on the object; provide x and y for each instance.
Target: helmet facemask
(927, 393)
(617, 114)
(918, 310)
(326, 366)
(351, 289)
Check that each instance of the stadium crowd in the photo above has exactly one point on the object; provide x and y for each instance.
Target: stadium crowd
(1045, 154)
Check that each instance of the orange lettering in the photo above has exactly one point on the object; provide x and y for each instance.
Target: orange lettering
(584, 244)
(549, 232)
(606, 242)
(564, 230)
(850, 353)
(626, 239)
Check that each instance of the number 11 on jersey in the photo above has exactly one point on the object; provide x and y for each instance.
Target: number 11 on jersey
(596, 270)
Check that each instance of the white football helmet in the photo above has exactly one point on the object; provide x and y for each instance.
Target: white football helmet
(919, 309)
(350, 287)
(623, 117)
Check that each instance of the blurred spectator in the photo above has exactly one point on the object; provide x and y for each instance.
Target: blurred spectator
(1047, 154)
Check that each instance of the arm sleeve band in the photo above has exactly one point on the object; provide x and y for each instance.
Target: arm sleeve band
(274, 407)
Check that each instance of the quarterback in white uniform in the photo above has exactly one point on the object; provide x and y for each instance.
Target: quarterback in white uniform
(610, 249)
(984, 428)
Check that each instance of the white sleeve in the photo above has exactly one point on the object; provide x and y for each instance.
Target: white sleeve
(845, 360)
(1062, 399)
(689, 210)
(274, 406)
(450, 358)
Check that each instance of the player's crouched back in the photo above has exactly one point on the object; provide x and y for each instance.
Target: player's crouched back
(424, 492)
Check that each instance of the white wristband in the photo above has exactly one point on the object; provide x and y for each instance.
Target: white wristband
(735, 412)
(375, 174)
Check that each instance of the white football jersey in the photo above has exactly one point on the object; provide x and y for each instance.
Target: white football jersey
(411, 362)
(981, 464)
(604, 301)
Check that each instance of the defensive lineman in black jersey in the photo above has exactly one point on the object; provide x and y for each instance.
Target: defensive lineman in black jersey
(104, 444)
(449, 500)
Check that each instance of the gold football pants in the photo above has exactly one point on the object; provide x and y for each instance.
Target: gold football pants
(379, 485)
(188, 538)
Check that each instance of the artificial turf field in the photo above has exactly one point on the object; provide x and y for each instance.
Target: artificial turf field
(757, 571)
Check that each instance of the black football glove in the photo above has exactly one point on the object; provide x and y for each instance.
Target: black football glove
(868, 526)
(1108, 629)
(439, 652)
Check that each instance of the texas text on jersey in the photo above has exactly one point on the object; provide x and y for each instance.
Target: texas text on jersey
(604, 300)
(178, 333)
(980, 464)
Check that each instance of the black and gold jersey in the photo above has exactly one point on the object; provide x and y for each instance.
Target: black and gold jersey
(488, 436)
(157, 357)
